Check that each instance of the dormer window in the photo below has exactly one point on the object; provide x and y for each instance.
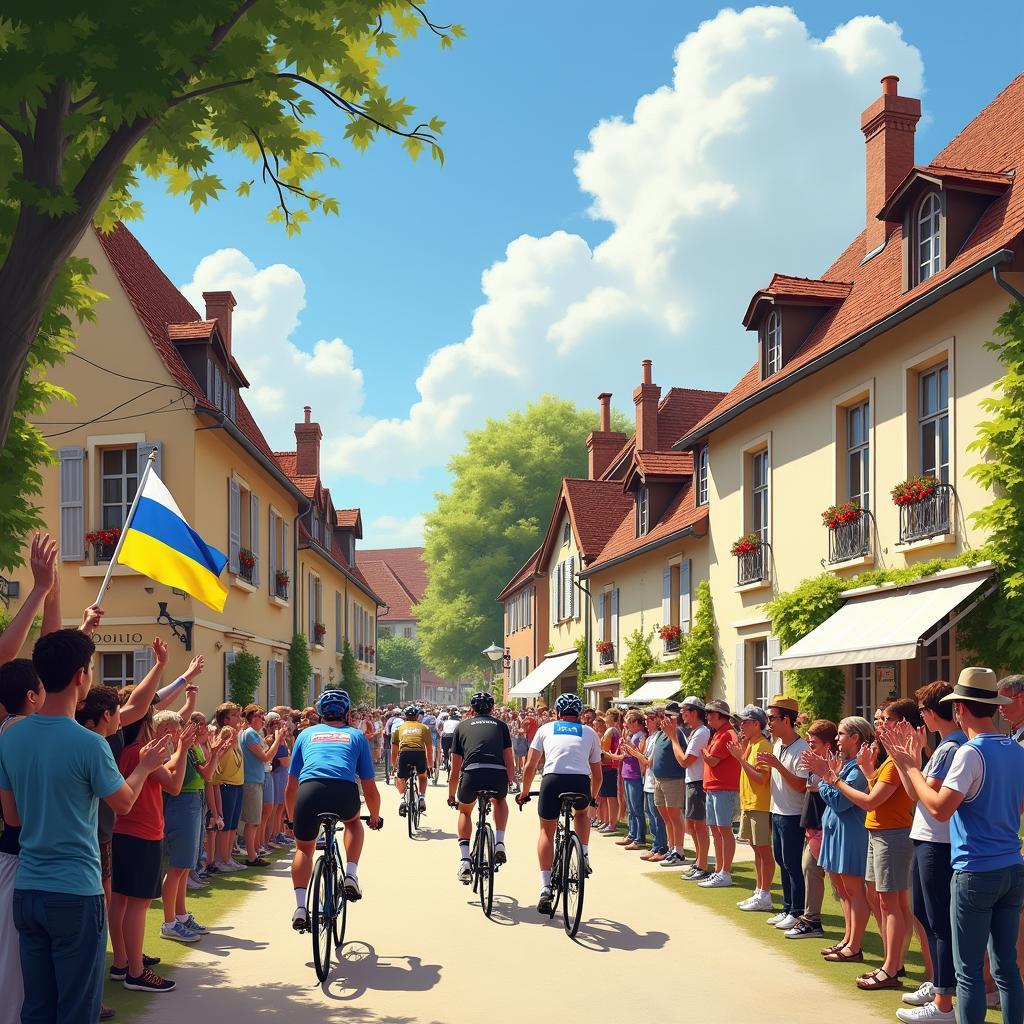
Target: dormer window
(773, 344)
(929, 249)
(702, 476)
(643, 511)
(566, 532)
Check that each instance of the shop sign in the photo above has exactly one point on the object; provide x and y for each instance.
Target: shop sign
(117, 639)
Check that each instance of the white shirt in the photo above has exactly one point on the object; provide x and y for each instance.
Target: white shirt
(966, 773)
(649, 754)
(785, 799)
(449, 727)
(926, 826)
(699, 739)
(569, 748)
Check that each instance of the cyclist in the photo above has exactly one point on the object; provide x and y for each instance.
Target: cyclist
(410, 745)
(481, 760)
(430, 721)
(451, 723)
(572, 764)
(390, 719)
(327, 759)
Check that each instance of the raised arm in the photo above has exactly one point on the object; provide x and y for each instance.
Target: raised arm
(137, 704)
(43, 558)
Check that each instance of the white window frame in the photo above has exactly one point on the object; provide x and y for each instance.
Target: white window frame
(127, 676)
(643, 510)
(703, 467)
(130, 471)
(762, 673)
(937, 421)
(773, 343)
(928, 239)
(760, 495)
(860, 451)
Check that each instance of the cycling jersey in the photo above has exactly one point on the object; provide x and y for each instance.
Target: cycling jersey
(329, 752)
(449, 727)
(569, 748)
(481, 742)
(431, 723)
(411, 736)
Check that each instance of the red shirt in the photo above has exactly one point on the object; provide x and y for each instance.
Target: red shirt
(530, 726)
(726, 774)
(146, 818)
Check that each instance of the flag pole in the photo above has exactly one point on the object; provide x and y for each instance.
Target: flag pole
(127, 523)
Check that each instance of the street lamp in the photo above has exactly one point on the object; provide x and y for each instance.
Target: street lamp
(496, 654)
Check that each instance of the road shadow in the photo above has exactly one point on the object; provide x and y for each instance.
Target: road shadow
(426, 832)
(362, 969)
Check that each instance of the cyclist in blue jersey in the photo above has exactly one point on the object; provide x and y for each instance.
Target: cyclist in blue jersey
(429, 719)
(326, 762)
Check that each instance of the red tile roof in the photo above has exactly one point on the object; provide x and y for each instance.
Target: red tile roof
(350, 519)
(528, 572)
(962, 178)
(399, 575)
(993, 142)
(595, 508)
(664, 463)
(158, 303)
(196, 329)
(803, 290)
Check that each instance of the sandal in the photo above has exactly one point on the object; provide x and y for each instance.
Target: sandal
(878, 980)
(833, 949)
(839, 957)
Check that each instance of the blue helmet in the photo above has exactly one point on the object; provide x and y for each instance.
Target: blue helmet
(569, 704)
(333, 704)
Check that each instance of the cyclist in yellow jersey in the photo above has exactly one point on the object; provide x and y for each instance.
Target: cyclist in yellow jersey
(411, 745)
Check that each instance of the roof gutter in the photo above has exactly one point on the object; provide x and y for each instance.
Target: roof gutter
(686, 531)
(956, 282)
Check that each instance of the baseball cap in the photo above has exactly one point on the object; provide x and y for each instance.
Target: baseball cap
(272, 717)
(672, 707)
(752, 713)
(718, 705)
(692, 702)
(785, 703)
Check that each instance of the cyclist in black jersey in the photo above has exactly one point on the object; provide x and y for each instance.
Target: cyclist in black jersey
(481, 761)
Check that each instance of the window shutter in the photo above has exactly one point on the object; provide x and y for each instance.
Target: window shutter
(229, 660)
(285, 687)
(144, 659)
(529, 606)
(740, 682)
(507, 619)
(272, 552)
(232, 402)
(774, 678)
(271, 683)
(285, 562)
(666, 595)
(615, 622)
(209, 381)
(312, 609)
(555, 591)
(684, 595)
(234, 524)
(143, 449)
(218, 396)
(254, 535)
(600, 617)
(337, 621)
(574, 594)
(72, 504)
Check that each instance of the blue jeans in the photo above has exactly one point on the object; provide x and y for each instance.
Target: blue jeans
(634, 789)
(788, 847)
(985, 907)
(659, 834)
(62, 939)
(933, 877)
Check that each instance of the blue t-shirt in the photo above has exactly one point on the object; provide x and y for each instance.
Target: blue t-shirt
(327, 752)
(664, 763)
(253, 766)
(431, 723)
(58, 772)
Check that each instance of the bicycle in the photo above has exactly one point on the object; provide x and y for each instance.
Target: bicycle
(569, 869)
(481, 857)
(435, 771)
(327, 904)
(412, 801)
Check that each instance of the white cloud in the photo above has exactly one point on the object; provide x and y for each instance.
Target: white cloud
(395, 532)
(283, 377)
(751, 160)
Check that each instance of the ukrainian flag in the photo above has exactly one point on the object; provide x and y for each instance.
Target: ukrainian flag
(161, 545)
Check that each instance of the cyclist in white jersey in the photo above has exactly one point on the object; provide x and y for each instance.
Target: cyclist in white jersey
(572, 764)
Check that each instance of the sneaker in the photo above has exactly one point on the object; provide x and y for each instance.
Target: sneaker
(118, 973)
(193, 925)
(544, 902)
(177, 932)
(759, 904)
(500, 857)
(147, 982)
(212, 869)
(106, 1013)
(719, 880)
(922, 997)
(672, 860)
(300, 920)
(224, 867)
(747, 899)
(401, 808)
(789, 921)
(194, 883)
(805, 930)
(235, 865)
(352, 890)
(698, 875)
(465, 872)
(150, 961)
(776, 918)
(423, 805)
(928, 1012)
(259, 862)
(283, 839)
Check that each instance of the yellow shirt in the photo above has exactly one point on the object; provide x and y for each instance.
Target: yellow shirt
(229, 770)
(754, 796)
(412, 736)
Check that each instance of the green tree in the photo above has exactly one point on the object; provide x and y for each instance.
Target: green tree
(94, 95)
(399, 658)
(244, 675)
(351, 681)
(300, 668)
(637, 662)
(490, 521)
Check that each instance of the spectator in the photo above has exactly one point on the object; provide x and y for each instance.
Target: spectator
(695, 805)
(1012, 688)
(755, 805)
(981, 797)
(788, 783)
(671, 760)
(57, 771)
(722, 786)
(229, 777)
(655, 822)
(275, 838)
(632, 779)
(256, 755)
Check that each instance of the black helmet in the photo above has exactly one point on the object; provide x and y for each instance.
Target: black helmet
(411, 711)
(482, 702)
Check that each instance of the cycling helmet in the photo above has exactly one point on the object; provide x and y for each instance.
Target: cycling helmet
(411, 711)
(481, 702)
(455, 716)
(569, 704)
(333, 704)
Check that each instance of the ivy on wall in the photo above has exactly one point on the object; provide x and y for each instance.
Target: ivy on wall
(638, 661)
(697, 660)
(244, 678)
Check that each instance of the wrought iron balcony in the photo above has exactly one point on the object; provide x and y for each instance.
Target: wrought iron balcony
(850, 540)
(607, 657)
(671, 645)
(752, 567)
(930, 517)
(281, 589)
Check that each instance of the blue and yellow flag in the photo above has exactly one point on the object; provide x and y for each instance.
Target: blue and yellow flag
(161, 545)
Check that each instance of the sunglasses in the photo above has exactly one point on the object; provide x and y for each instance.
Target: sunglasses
(775, 718)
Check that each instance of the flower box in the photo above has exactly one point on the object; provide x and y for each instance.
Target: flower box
(605, 647)
(282, 579)
(319, 632)
(839, 515)
(914, 490)
(104, 542)
(746, 545)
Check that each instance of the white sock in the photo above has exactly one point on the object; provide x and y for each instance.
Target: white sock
(586, 850)
(352, 869)
(300, 898)
(181, 917)
(499, 835)
(545, 879)
(464, 849)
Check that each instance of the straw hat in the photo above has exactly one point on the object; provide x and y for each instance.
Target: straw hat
(977, 684)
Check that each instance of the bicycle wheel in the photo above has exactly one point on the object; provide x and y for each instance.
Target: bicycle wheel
(436, 770)
(340, 909)
(556, 873)
(574, 877)
(321, 924)
(411, 810)
(485, 870)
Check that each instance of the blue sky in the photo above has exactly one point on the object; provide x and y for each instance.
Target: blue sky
(398, 276)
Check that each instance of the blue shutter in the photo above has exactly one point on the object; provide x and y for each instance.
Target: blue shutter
(615, 622)
(666, 595)
(272, 552)
(684, 595)
(254, 536)
(144, 660)
(229, 660)
(271, 683)
(234, 524)
(599, 632)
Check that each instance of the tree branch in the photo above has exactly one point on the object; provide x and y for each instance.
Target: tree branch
(438, 30)
(219, 34)
(206, 91)
(19, 137)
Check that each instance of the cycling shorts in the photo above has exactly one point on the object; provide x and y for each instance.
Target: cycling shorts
(446, 742)
(553, 786)
(407, 758)
(476, 779)
(320, 796)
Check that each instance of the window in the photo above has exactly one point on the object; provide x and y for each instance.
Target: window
(674, 585)
(315, 526)
(117, 669)
(762, 674)
(929, 254)
(120, 479)
(858, 434)
(407, 632)
(937, 659)
(643, 511)
(566, 532)
(933, 422)
(863, 705)
(773, 344)
(702, 476)
(759, 494)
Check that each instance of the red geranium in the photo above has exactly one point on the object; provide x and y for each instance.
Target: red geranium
(282, 579)
(109, 537)
(839, 515)
(246, 558)
(747, 545)
(605, 647)
(670, 632)
(320, 630)
(915, 489)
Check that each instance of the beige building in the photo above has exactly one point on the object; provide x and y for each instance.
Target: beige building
(152, 374)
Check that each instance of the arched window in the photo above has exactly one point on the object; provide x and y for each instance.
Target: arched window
(929, 254)
(773, 345)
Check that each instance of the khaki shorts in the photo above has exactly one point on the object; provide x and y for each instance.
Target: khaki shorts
(756, 827)
(252, 803)
(669, 792)
(890, 859)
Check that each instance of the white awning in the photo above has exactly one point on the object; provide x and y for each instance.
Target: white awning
(655, 689)
(882, 625)
(596, 684)
(543, 675)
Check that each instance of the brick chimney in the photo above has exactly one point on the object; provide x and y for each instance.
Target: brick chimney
(218, 307)
(307, 445)
(646, 398)
(604, 443)
(888, 126)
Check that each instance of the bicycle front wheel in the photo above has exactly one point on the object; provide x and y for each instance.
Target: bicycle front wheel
(574, 879)
(557, 873)
(411, 809)
(340, 910)
(322, 907)
(485, 869)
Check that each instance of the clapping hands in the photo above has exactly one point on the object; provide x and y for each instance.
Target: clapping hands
(903, 742)
(43, 559)
(867, 758)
